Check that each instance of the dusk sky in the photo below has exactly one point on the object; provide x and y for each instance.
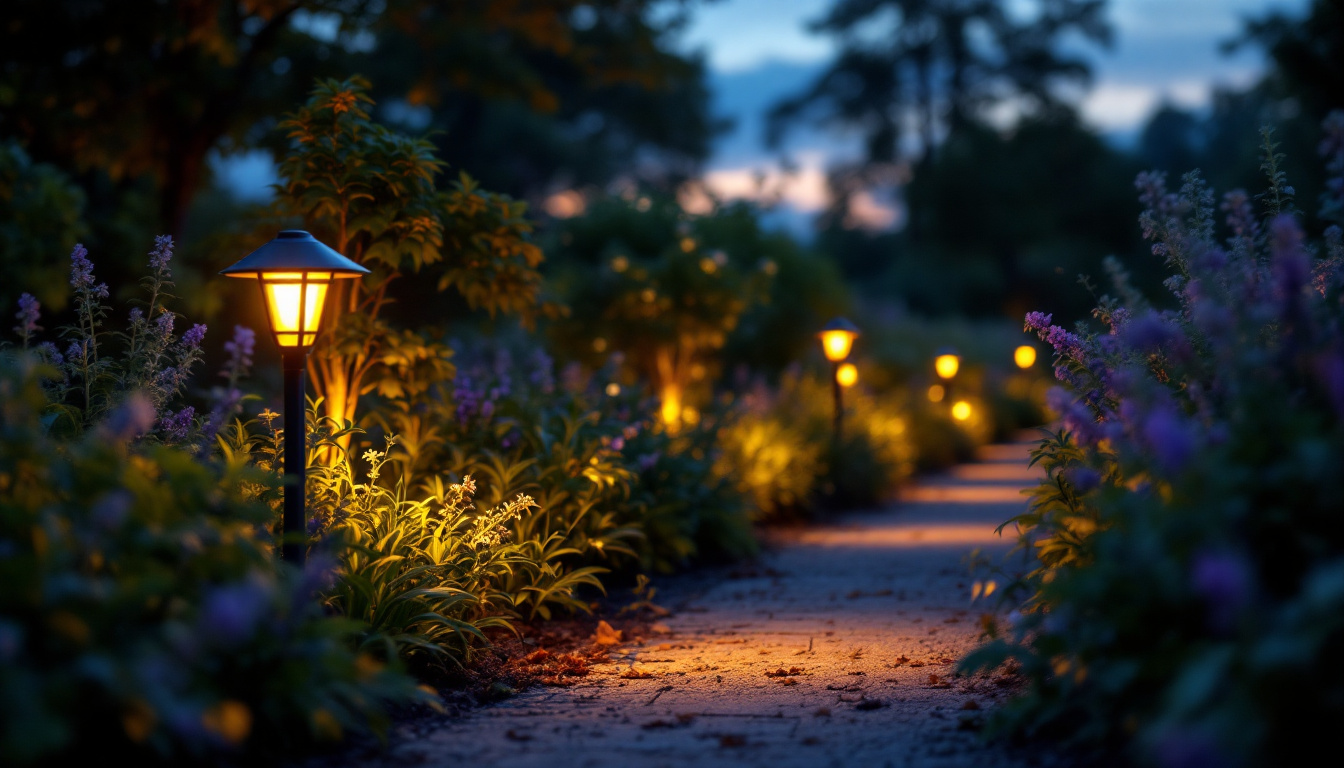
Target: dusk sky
(759, 51)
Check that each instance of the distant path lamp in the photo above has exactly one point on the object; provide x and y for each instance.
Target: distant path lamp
(1024, 356)
(837, 338)
(295, 271)
(946, 363)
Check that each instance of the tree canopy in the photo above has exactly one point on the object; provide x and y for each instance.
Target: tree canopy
(143, 89)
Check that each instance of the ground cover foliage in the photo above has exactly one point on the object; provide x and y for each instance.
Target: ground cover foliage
(1187, 605)
(461, 487)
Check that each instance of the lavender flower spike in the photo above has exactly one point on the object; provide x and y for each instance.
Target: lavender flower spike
(28, 314)
(162, 253)
(81, 269)
(192, 338)
(176, 425)
(239, 349)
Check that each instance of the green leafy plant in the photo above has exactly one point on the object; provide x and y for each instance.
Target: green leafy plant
(372, 193)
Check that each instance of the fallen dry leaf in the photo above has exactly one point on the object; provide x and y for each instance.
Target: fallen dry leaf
(636, 674)
(781, 672)
(938, 682)
(605, 635)
(789, 681)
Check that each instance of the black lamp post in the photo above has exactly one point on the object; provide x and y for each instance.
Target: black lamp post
(295, 271)
(837, 338)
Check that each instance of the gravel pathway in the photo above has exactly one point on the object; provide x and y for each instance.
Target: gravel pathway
(835, 648)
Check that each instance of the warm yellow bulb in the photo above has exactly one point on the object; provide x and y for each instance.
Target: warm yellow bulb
(670, 408)
(947, 365)
(847, 375)
(613, 389)
(292, 303)
(1024, 356)
(836, 344)
(936, 393)
(961, 410)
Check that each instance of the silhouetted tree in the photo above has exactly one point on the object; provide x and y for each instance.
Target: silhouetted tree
(911, 72)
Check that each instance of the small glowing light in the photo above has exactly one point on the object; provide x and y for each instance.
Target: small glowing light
(687, 244)
(708, 266)
(288, 310)
(613, 389)
(847, 375)
(1024, 356)
(643, 204)
(620, 264)
(690, 415)
(698, 371)
(936, 393)
(720, 258)
(599, 344)
(565, 205)
(671, 410)
(769, 267)
(961, 410)
(947, 365)
(836, 344)
(648, 295)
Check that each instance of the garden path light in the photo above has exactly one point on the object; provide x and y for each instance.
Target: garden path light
(294, 271)
(947, 363)
(847, 375)
(1024, 356)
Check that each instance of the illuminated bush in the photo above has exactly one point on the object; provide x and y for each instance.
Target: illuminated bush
(779, 448)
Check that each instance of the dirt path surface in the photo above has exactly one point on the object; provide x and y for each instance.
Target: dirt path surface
(835, 648)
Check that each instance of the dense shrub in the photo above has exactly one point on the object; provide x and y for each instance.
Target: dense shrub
(1188, 599)
(143, 614)
(780, 451)
(615, 487)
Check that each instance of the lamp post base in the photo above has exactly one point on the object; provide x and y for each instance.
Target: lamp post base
(294, 542)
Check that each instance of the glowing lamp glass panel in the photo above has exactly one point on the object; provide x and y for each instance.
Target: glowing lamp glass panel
(847, 375)
(947, 365)
(1024, 356)
(836, 344)
(961, 410)
(294, 301)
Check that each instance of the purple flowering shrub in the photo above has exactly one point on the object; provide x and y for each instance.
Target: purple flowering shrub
(98, 370)
(1187, 601)
(145, 614)
(143, 618)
